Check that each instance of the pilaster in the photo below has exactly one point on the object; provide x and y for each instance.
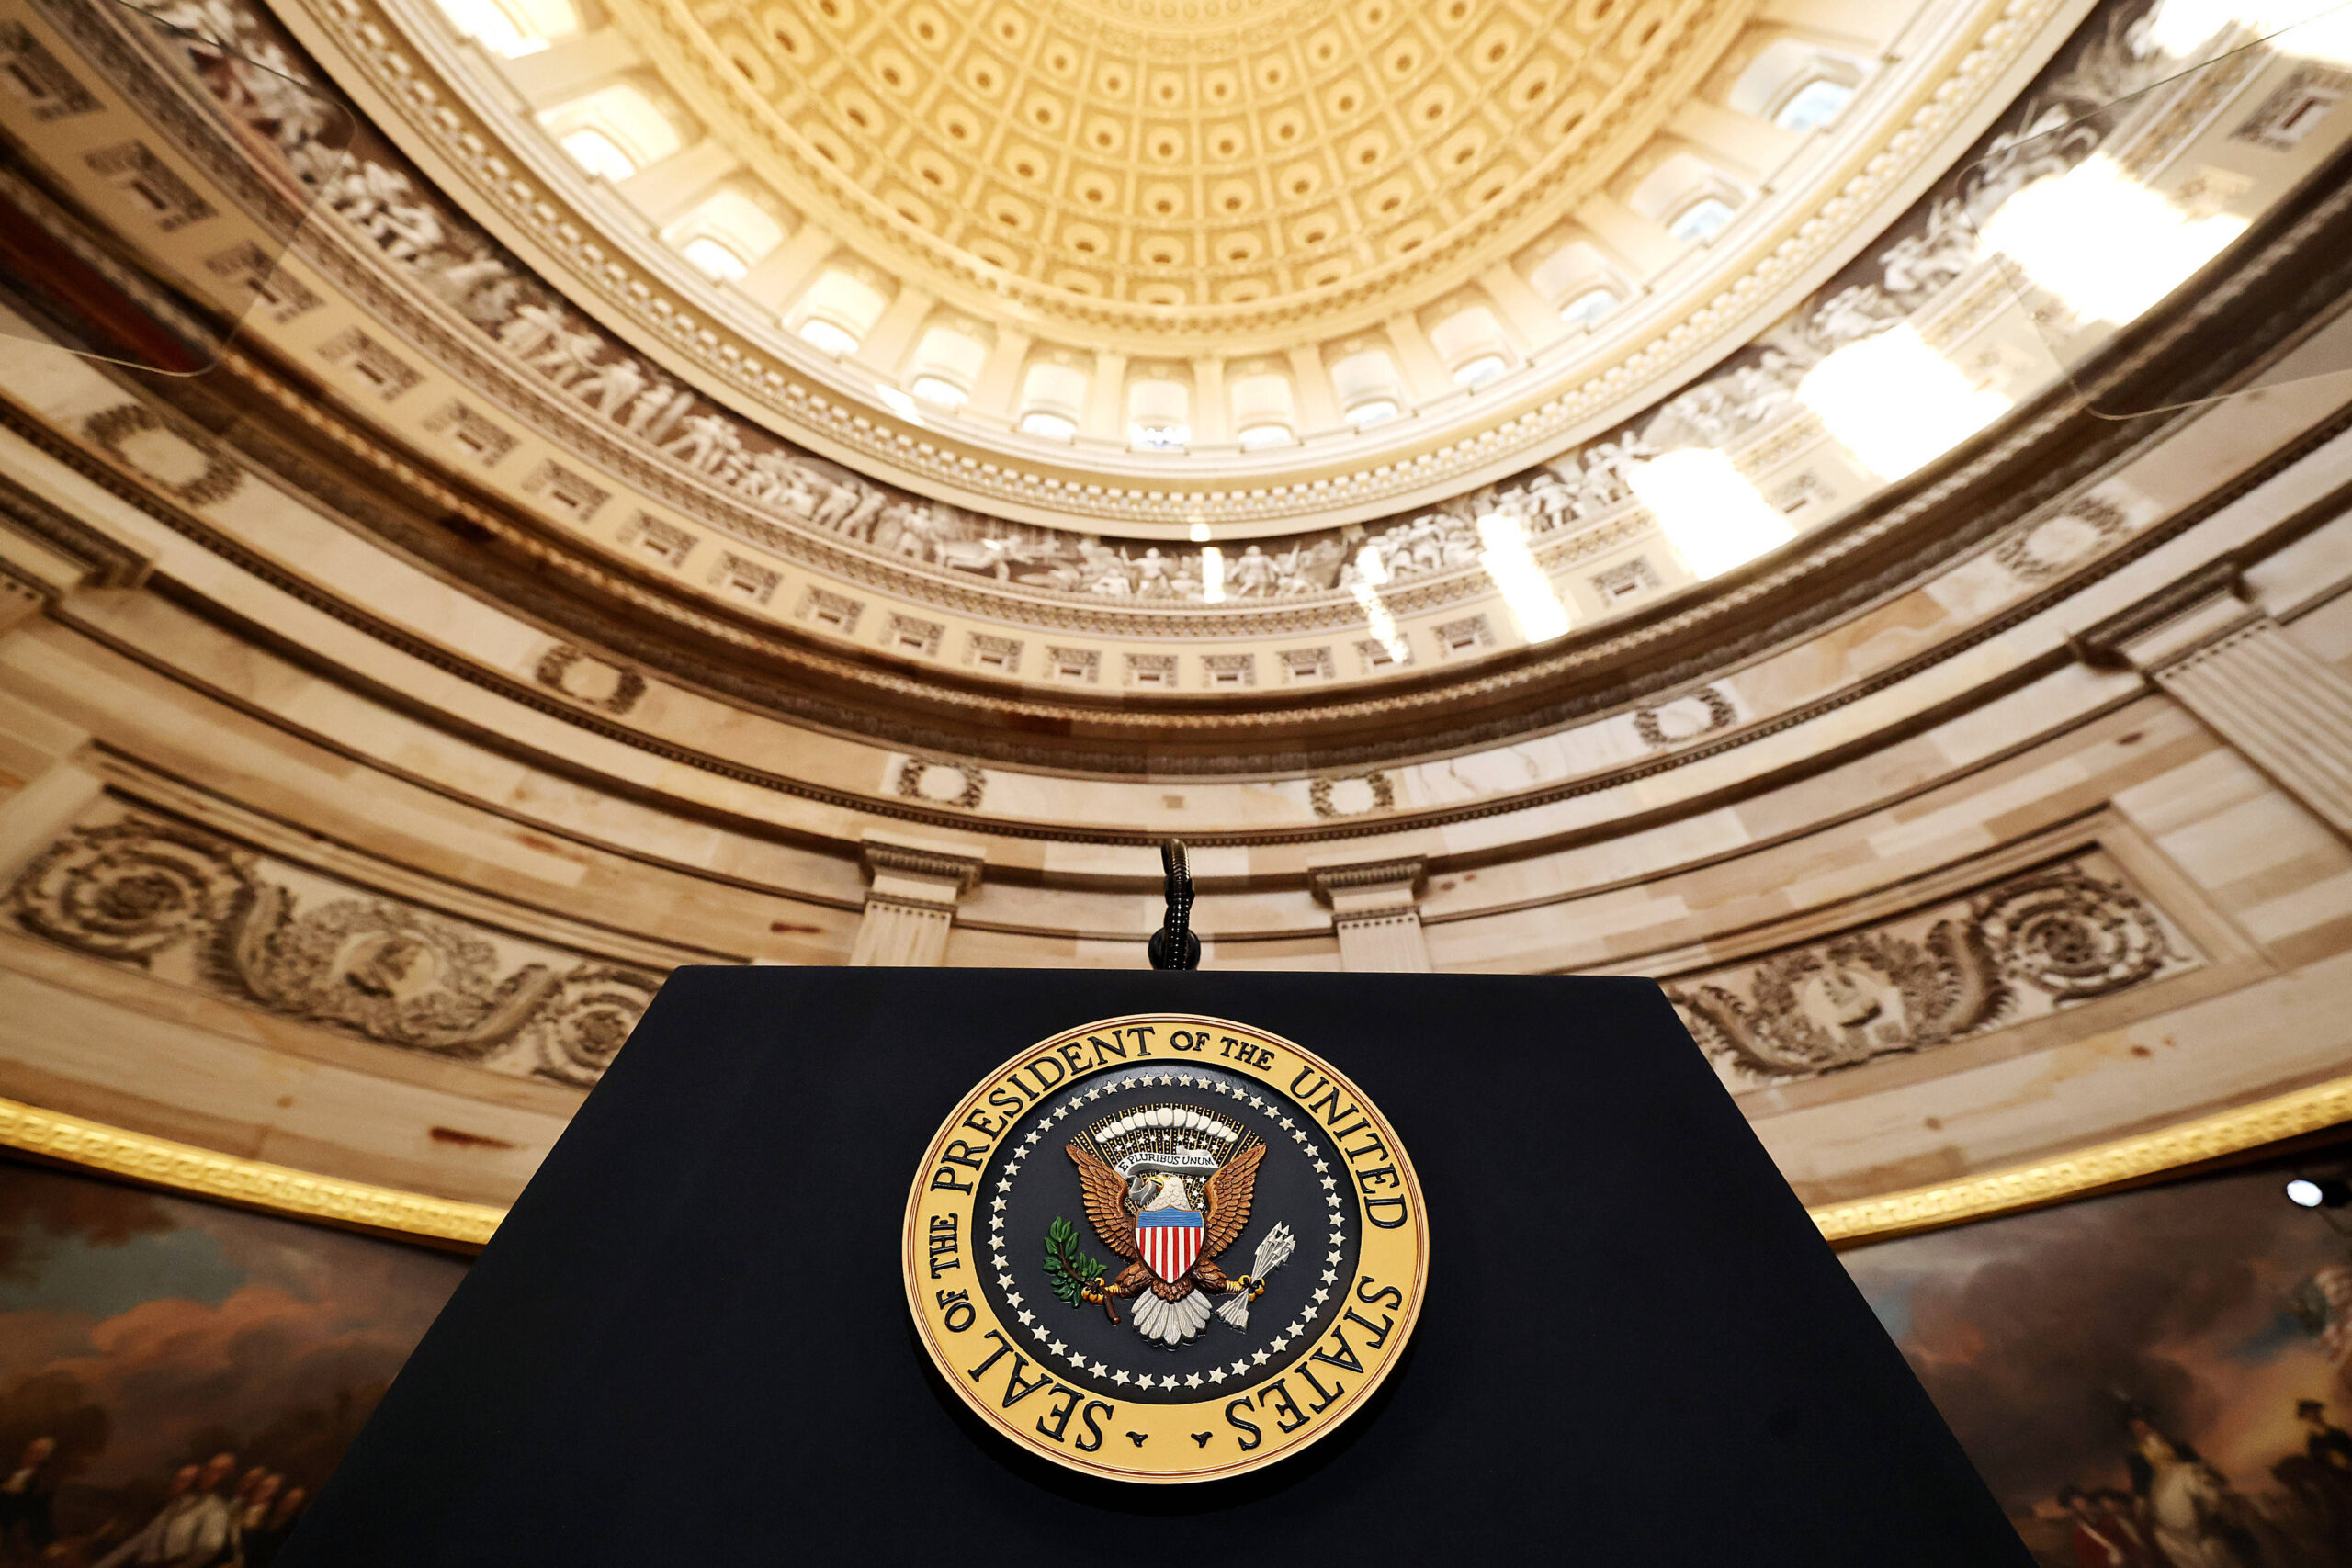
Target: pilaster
(1376, 914)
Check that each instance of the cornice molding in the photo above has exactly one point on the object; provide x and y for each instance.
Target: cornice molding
(879, 856)
(1408, 871)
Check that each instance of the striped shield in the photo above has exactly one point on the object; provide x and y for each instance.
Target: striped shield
(1169, 1239)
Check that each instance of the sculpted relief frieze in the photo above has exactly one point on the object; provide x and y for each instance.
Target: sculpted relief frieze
(192, 907)
(2023, 947)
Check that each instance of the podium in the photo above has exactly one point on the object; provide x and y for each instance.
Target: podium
(691, 1342)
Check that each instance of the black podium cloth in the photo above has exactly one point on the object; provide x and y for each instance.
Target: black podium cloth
(690, 1344)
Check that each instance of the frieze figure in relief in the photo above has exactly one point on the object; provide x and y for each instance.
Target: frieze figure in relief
(1252, 575)
(610, 386)
(1919, 265)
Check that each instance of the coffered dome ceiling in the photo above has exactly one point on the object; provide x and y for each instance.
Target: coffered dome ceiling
(1157, 266)
(1132, 168)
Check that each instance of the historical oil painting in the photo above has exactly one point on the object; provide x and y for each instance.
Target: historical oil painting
(2157, 1379)
(177, 1378)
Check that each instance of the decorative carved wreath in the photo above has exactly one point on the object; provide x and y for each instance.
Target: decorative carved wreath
(1721, 715)
(2026, 564)
(130, 889)
(110, 428)
(910, 783)
(628, 686)
(575, 1036)
(1384, 795)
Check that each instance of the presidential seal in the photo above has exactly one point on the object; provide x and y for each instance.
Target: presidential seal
(1165, 1248)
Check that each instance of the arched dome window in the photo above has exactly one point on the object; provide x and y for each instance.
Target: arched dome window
(1369, 388)
(1159, 414)
(726, 235)
(1700, 220)
(1589, 307)
(614, 132)
(1053, 399)
(1579, 282)
(599, 154)
(1472, 344)
(1796, 84)
(837, 313)
(1263, 412)
(946, 367)
(715, 259)
(511, 28)
(1813, 104)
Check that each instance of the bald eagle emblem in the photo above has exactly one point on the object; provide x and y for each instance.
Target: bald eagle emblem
(1169, 1188)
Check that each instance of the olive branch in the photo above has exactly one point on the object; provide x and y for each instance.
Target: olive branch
(1072, 1271)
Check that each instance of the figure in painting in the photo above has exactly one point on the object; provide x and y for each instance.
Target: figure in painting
(2327, 1443)
(27, 1520)
(265, 1540)
(195, 1528)
(2197, 1520)
(2104, 1533)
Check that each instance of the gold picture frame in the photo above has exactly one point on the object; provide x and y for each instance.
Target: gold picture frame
(276, 1188)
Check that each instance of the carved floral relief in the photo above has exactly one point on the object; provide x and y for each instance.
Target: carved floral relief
(190, 905)
(2023, 947)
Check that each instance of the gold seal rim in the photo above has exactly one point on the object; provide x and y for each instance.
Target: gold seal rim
(1407, 1317)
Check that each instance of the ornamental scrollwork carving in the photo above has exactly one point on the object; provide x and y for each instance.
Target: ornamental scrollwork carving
(582, 1024)
(2020, 949)
(2071, 936)
(129, 890)
(191, 906)
(390, 971)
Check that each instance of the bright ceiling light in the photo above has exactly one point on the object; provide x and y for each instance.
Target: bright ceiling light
(1212, 575)
(2179, 27)
(2183, 27)
(489, 25)
(598, 154)
(1259, 437)
(1371, 573)
(2102, 241)
(1160, 436)
(1712, 517)
(1896, 404)
(827, 337)
(1527, 591)
(899, 403)
(1052, 426)
(1479, 371)
(713, 260)
(1378, 411)
(938, 392)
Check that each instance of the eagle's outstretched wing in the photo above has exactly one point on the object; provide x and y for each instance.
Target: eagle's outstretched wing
(1106, 1202)
(1228, 1194)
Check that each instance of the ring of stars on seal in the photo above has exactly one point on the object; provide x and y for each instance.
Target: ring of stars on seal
(1165, 1248)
